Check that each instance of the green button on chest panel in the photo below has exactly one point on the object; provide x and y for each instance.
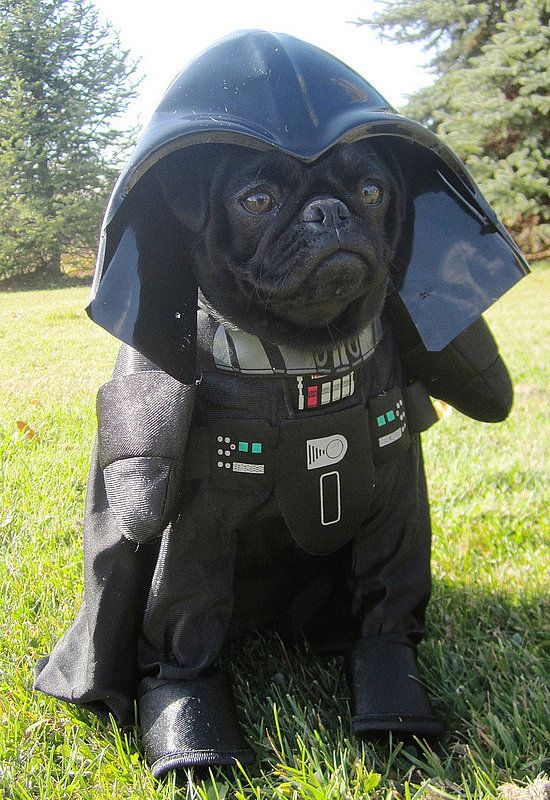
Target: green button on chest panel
(388, 421)
(394, 415)
(229, 452)
(241, 454)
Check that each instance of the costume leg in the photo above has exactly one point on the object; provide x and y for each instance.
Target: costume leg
(392, 574)
(143, 420)
(186, 706)
(94, 664)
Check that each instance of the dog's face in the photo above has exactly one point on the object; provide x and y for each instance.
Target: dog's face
(293, 252)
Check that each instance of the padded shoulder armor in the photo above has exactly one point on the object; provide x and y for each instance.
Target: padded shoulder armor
(143, 424)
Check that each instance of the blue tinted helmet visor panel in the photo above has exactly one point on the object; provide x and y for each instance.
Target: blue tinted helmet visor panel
(271, 91)
(455, 257)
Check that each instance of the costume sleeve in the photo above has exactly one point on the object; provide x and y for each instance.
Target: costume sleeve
(468, 373)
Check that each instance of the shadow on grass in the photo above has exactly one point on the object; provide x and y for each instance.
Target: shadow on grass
(32, 281)
(485, 662)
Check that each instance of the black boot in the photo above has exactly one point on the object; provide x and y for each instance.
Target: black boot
(387, 693)
(191, 723)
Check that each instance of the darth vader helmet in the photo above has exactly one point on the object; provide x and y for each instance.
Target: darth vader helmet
(271, 91)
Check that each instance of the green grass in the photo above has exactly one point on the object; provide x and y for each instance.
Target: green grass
(486, 657)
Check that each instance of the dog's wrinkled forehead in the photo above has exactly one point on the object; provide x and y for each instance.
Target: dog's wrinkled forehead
(340, 162)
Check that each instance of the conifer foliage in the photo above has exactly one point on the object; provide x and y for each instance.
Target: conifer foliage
(491, 97)
(64, 79)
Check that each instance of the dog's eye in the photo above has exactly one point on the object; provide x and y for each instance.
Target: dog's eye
(372, 194)
(259, 202)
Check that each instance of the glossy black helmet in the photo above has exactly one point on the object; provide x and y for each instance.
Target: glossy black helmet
(264, 91)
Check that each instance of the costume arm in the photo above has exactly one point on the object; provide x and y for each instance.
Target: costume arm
(144, 416)
(468, 373)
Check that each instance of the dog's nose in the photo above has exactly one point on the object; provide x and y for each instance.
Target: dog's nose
(325, 211)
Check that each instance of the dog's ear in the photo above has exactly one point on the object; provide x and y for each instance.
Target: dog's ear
(185, 179)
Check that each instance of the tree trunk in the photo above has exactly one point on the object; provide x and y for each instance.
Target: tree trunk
(51, 265)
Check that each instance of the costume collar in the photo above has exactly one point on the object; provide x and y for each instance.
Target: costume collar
(230, 349)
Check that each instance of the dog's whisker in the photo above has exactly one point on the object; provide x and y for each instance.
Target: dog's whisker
(251, 294)
(281, 262)
(277, 285)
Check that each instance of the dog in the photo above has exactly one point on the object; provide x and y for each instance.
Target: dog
(298, 256)
(286, 489)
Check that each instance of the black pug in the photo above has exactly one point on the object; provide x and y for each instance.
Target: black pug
(287, 490)
(298, 255)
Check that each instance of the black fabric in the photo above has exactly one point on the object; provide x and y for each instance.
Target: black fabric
(421, 414)
(95, 663)
(143, 414)
(242, 455)
(387, 693)
(324, 504)
(391, 554)
(190, 724)
(141, 450)
(389, 426)
(227, 564)
(468, 373)
(141, 493)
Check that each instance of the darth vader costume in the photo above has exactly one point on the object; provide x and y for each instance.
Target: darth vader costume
(237, 484)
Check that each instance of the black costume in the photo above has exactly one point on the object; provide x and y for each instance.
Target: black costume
(285, 488)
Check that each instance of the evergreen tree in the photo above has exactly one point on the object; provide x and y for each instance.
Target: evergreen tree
(64, 78)
(490, 100)
(455, 30)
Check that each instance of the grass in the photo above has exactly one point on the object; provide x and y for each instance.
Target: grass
(486, 657)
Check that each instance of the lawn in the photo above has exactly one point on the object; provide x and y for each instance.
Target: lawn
(486, 657)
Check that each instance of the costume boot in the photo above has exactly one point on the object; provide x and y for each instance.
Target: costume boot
(191, 723)
(387, 693)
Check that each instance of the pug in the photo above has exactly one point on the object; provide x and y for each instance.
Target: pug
(286, 489)
(297, 258)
